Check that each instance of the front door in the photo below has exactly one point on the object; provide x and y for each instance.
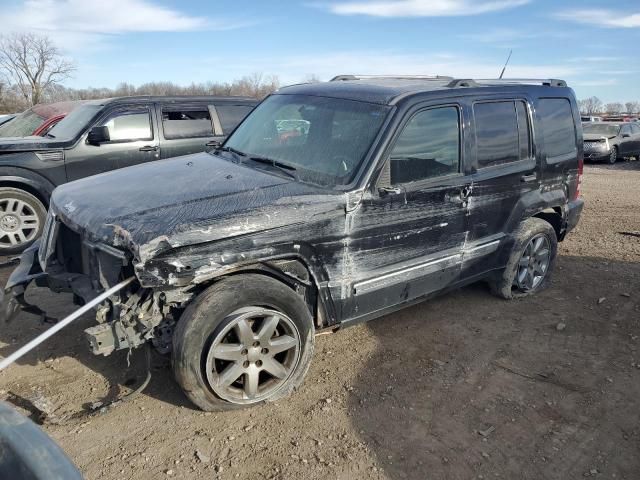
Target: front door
(405, 240)
(133, 140)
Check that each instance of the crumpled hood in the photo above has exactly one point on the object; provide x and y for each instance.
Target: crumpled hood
(186, 200)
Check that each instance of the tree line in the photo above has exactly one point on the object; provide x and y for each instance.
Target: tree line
(32, 70)
(595, 106)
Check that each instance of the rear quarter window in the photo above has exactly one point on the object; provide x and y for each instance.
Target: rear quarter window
(558, 128)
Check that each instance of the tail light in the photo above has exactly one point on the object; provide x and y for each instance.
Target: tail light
(580, 172)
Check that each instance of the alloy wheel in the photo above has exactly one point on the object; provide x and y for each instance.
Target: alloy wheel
(253, 355)
(533, 264)
(19, 222)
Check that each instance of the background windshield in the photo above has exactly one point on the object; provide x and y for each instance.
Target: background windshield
(326, 139)
(22, 126)
(75, 122)
(601, 129)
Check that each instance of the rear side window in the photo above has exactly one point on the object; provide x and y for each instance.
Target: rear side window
(558, 128)
(502, 132)
(231, 116)
(186, 122)
(428, 146)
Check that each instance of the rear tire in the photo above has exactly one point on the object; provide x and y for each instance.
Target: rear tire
(22, 217)
(245, 340)
(531, 261)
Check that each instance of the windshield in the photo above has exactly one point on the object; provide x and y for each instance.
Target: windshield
(601, 129)
(74, 123)
(23, 125)
(324, 139)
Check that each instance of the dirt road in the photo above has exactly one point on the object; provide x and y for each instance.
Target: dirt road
(464, 386)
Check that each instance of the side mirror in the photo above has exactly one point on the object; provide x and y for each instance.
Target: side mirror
(98, 135)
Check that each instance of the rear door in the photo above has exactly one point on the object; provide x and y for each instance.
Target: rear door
(505, 169)
(187, 128)
(133, 140)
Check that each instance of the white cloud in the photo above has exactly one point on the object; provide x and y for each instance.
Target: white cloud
(85, 24)
(602, 18)
(421, 8)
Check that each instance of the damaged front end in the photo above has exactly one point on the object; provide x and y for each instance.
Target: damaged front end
(64, 261)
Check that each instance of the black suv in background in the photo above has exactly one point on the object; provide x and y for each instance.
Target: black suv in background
(99, 136)
(331, 204)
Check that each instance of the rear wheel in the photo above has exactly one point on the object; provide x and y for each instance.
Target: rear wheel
(531, 261)
(21, 219)
(245, 340)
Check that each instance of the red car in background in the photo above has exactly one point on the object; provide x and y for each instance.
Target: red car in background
(38, 120)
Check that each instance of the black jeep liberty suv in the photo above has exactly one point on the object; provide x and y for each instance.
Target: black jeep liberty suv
(331, 204)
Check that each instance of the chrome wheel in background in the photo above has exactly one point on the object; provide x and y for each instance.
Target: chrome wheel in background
(21, 219)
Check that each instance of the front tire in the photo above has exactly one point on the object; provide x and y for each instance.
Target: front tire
(22, 218)
(531, 261)
(246, 340)
(613, 156)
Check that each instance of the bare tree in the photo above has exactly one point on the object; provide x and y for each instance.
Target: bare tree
(632, 107)
(591, 105)
(613, 107)
(33, 63)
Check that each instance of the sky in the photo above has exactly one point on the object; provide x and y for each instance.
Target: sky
(593, 44)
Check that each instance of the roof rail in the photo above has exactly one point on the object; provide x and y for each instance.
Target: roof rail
(548, 82)
(389, 77)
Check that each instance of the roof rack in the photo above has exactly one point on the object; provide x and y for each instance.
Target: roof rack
(459, 82)
(389, 77)
(547, 82)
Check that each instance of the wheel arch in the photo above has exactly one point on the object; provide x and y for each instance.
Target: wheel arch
(553, 216)
(38, 186)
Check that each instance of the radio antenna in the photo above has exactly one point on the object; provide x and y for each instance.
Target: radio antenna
(505, 65)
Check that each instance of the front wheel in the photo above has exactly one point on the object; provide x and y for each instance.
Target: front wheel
(245, 340)
(531, 260)
(21, 219)
(613, 156)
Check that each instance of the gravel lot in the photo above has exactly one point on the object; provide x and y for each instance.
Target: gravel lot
(463, 386)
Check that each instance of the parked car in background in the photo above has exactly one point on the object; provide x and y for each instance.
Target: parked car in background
(6, 118)
(331, 204)
(608, 142)
(591, 119)
(39, 119)
(99, 136)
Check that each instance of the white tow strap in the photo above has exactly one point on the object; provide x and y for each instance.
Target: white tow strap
(62, 323)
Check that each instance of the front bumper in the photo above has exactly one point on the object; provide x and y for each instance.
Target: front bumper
(596, 156)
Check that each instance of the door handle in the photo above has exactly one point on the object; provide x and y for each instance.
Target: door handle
(213, 143)
(460, 197)
(529, 178)
(149, 148)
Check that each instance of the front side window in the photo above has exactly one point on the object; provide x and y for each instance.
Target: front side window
(185, 122)
(324, 139)
(129, 125)
(502, 132)
(558, 129)
(231, 115)
(428, 146)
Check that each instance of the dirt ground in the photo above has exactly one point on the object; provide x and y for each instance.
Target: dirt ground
(463, 386)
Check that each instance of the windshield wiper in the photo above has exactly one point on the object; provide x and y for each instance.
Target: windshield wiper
(283, 167)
